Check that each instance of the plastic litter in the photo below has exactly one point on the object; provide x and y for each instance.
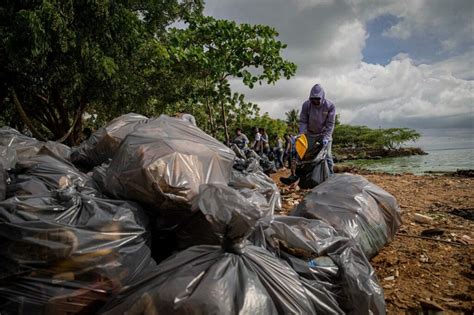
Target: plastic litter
(312, 169)
(43, 173)
(102, 144)
(163, 162)
(355, 207)
(318, 253)
(66, 252)
(233, 278)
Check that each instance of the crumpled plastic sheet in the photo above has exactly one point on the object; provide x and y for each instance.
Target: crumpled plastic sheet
(3, 182)
(257, 180)
(102, 144)
(318, 253)
(355, 207)
(233, 278)
(313, 169)
(164, 161)
(65, 252)
(7, 157)
(254, 186)
(44, 173)
(26, 147)
(99, 174)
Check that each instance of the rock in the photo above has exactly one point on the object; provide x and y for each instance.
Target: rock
(391, 278)
(422, 218)
(467, 240)
(432, 232)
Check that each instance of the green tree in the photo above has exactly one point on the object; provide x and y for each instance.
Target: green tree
(293, 120)
(60, 59)
(365, 137)
(216, 50)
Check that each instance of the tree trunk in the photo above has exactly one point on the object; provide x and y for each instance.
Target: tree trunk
(209, 108)
(25, 119)
(226, 129)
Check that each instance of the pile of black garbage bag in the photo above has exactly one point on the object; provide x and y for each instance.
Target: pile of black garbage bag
(154, 216)
(313, 169)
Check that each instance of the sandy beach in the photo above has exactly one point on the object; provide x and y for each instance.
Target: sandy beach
(428, 265)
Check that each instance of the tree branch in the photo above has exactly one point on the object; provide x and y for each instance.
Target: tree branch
(25, 118)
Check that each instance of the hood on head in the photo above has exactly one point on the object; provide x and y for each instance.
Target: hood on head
(317, 91)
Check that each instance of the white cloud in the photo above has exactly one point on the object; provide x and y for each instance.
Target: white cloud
(326, 39)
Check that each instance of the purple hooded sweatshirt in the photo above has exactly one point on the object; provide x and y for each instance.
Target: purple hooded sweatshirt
(318, 120)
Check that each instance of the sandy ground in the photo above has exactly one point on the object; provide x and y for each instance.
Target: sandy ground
(420, 274)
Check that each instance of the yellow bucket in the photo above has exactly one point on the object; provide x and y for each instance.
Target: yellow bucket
(301, 145)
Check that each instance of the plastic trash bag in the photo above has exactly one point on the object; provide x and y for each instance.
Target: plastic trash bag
(43, 173)
(355, 207)
(24, 147)
(99, 174)
(55, 149)
(197, 230)
(102, 144)
(3, 182)
(257, 180)
(66, 252)
(313, 169)
(7, 157)
(232, 278)
(163, 162)
(317, 252)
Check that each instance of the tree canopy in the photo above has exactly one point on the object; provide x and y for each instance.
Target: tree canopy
(60, 59)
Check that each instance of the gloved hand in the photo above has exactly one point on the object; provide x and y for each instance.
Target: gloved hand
(325, 142)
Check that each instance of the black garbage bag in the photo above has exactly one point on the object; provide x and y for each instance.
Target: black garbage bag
(257, 180)
(232, 278)
(102, 144)
(318, 253)
(7, 157)
(197, 230)
(66, 252)
(99, 174)
(55, 149)
(163, 162)
(313, 169)
(355, 207)
(267, 165)
(43, 173)
(3, 182)
(25, 147)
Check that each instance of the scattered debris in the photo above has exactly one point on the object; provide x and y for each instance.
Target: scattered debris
(420, 218)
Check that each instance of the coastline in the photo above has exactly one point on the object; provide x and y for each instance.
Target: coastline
(347, 154)
(418, 273)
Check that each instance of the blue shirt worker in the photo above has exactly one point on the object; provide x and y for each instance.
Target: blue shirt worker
(318, 117)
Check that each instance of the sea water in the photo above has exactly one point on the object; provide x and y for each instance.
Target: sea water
(448, 150)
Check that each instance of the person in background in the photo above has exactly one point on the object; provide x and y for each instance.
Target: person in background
(318, 116)
(278, 151)
(186, 117)
(257, 141)
(240, 139)
(290, 152)
(265, 145)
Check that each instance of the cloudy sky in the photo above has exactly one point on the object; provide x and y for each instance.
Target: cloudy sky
(387, 63)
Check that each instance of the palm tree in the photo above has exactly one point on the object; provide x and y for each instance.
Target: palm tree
(292, 120)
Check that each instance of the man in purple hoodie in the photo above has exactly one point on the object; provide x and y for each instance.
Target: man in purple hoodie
(318, 116)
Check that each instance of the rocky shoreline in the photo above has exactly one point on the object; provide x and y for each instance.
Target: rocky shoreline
(421, 272)
(344, 154)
